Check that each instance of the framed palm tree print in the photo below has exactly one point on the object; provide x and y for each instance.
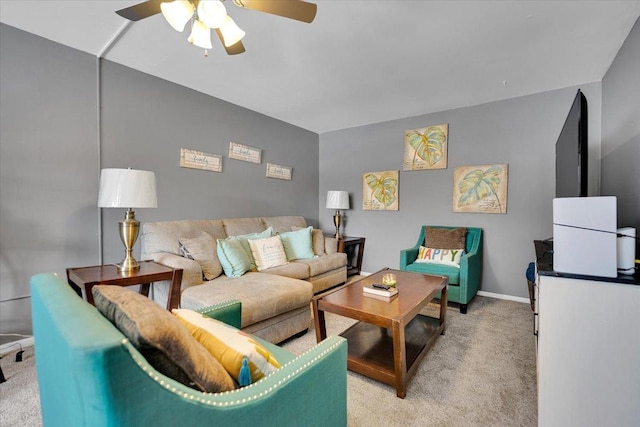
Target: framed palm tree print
(480, 189)
(426, 148)
(380, 191)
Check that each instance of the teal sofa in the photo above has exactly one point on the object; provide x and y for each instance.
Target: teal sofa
(89, 374)
(464, 282)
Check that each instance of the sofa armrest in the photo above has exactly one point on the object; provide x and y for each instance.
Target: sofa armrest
(330, 245)
(407, 256)
(229, 312)
(191, 270)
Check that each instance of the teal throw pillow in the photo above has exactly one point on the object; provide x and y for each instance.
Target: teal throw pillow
(298, 244)
(233, 257)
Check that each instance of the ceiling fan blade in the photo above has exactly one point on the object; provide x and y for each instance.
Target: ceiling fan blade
(141, 10)
(293, 9)
(233, 49)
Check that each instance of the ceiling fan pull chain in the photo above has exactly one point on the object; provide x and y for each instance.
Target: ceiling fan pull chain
(206, 53)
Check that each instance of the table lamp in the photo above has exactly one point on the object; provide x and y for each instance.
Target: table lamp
(337, 200)
(128, 188)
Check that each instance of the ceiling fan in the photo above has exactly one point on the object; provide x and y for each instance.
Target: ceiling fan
(206, 15)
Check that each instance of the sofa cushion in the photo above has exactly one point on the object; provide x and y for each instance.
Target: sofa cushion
(268, 252)
(292, 269)
(229, 346)
(237, 226)
(320, 265)
(298, 244)
(203, 250)
(158, 237)
(452, 272)
(263, 295)
(281, 224)
(440, 256)
(233, 257)
(161, 339)
(445, 238)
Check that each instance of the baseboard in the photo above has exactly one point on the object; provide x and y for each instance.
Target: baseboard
(15, 345)
(485, 294)
(501, 296)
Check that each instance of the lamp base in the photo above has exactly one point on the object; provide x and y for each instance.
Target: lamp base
(337, 220)
(129, 229)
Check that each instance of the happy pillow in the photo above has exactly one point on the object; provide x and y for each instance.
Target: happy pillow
(440, 256)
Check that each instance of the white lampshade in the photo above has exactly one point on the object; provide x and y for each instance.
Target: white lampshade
(212, 13)
(127, 188)
(231, 33)
(177, 13)
(337, 199)
(200, 35)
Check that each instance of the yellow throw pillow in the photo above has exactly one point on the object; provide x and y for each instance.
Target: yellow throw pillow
(228, 345)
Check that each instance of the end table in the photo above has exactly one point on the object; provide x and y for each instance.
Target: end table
(354, 248)
(150, 271)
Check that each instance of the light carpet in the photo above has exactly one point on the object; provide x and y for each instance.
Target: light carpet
(480, 373)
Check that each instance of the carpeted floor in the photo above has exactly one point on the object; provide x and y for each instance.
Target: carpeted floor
(481, 373)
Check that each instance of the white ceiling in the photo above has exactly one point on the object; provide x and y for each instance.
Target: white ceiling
(359, 62)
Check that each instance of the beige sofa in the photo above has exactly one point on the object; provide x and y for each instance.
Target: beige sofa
(275, 302)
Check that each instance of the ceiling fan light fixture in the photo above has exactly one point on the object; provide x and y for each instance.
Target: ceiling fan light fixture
(212, 13)
(177, 13)
(200, 35)
(231, 33)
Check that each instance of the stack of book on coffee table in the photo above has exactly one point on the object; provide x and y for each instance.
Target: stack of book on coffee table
(381, 292)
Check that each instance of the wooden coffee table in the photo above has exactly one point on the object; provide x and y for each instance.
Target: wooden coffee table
(391, 338)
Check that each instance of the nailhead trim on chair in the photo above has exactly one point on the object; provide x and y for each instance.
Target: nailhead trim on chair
(207, 398)
(220, 305)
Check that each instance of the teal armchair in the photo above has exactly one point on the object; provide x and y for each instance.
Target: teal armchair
(464, 282)
(90, 375)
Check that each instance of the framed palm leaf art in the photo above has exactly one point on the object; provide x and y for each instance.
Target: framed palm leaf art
(426, 148)
(380, 191)
(480, 189)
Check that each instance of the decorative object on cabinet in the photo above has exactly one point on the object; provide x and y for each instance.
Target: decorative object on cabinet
(480, 189)
(337, 200)
(380, 191)
(426, 148)
(128, 188)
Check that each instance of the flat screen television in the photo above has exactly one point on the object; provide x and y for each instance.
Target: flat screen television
(572, 152)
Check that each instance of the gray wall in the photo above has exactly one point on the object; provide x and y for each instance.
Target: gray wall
(51, 160)
(521, 132)
(621, 132)
(48, 164)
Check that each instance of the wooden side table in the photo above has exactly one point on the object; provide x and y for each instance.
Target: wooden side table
(150, 271)
(354, 248)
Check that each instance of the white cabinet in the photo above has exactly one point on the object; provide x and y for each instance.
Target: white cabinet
(588, 352)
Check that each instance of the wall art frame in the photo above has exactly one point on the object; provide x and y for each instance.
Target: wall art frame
(279, 171)
(193, 159)
(380, 191)
(481, 189)
(426, 148)
(245, 153)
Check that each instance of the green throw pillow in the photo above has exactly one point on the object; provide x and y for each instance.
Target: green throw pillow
(298, 244)
(244, 241)
(232, 256)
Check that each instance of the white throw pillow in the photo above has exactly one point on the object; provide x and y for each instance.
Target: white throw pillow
(268, 252)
